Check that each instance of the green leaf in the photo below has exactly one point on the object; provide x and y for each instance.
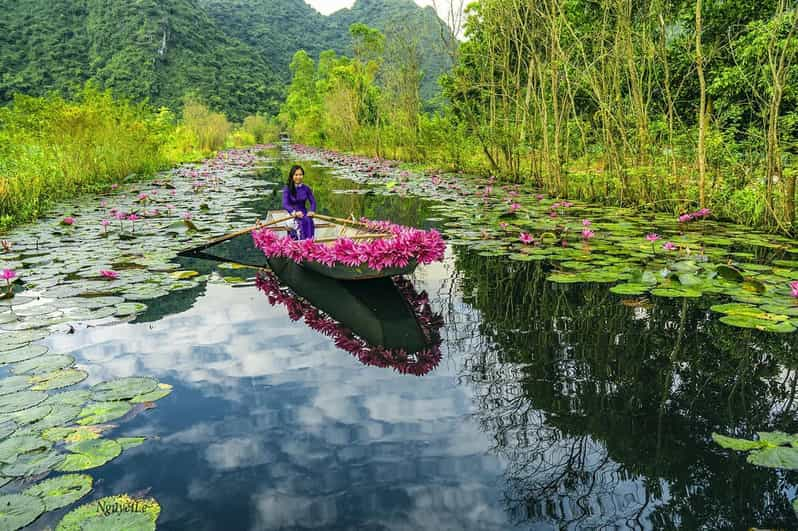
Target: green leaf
(742, 445)
(775, 457)
(61, 491)
(101, 412)
(19, 510)
(103, 514)
(90, 454)
(123, 388)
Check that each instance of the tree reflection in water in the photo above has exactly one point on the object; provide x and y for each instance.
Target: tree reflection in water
(604, 407)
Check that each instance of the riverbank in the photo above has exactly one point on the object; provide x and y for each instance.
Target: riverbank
(754, 274)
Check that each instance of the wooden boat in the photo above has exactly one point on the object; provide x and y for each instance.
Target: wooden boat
(239, 247)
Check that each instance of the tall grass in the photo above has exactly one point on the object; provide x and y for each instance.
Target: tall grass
(52, 149)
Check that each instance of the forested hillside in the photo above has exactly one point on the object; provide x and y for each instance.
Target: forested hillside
(278, 28)
(233, 54)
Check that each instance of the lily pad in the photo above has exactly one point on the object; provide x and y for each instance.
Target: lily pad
(33, 464)
(43, 364)
(130, 442)
(775, 457)
(13, 384)
(113, 513)
(22, 354)
(101, 412)
(19, 510)
(161, 391)
(89, 454)
(21, 400)
(123, 388)
(742, 321)
(13, 447)
(61, 491)
(630, 289)
(58, 379)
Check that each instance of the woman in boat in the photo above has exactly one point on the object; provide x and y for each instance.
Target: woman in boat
(295, 195)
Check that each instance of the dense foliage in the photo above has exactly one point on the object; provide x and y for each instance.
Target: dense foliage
(233, 54)
(52, 149)
(277, 29)
(667, 105)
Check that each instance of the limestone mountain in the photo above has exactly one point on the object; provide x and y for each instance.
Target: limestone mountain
(234, 54)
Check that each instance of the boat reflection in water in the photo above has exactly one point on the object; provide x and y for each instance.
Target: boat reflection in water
(383, 322)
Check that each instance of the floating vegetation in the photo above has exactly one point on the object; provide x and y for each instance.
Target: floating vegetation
(113, 513)
(87, 268)
(583, 243)
(61, 491)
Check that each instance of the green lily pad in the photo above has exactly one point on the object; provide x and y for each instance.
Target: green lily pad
(60, 415)
(58, 379)
(130, 442)
(101, 412)
(19, 510)
(43, 364)
(61, 491)
(676, 292)
(775, 457)
(13, 384)
(30, 415)
(7, 427)
(630, 289)
(161, 391)
(76, 397)
(21, 400)
(22, 354)
(113, 513)
(89, 454)
(13, 447)
(20, 338)
(747, 310)
(129, 308)
(742, 321)
(123, 388)
(737, 444)
(729, 273)
(33, 464)
(183, 275)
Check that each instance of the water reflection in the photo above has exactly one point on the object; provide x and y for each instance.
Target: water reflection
(604, 408)
(382, 322)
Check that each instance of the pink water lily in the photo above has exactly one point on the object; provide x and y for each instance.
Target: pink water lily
(504, 224)
(587, 234)
(653, 236)
(187, 215)
(114, 186)
(514, 207)
(526, 238)
(404, 245)
(69, 220)
(669, 246)
(586, 223)
(8, 275)
(539, 197)
(794, 288)
(684, 218)
(107, 273)
(132, 217)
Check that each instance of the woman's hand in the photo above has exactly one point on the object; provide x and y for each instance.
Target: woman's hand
(311, 214)
(298, 214)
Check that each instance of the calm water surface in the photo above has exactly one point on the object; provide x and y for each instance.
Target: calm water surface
(554, 407)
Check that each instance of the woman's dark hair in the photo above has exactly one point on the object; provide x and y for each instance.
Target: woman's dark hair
(291, 185)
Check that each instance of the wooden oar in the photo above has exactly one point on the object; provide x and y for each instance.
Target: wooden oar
(232, 235)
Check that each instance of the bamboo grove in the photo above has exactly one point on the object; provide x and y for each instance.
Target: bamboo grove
(655, 104)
